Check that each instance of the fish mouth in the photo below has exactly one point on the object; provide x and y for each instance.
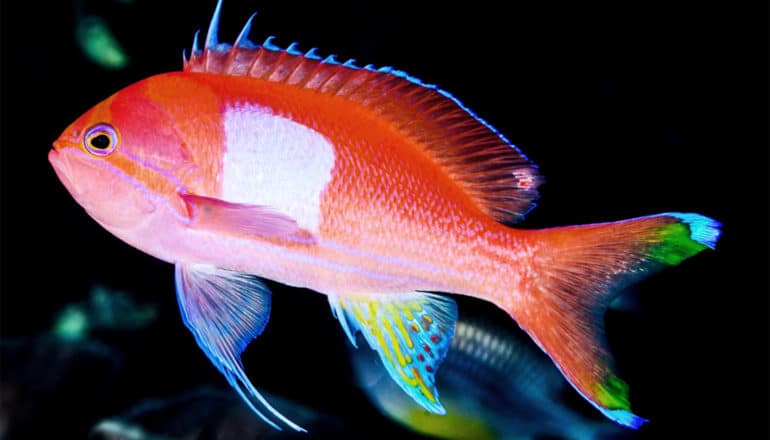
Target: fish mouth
(61, 166)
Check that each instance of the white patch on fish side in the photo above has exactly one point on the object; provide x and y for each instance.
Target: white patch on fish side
(273, 161)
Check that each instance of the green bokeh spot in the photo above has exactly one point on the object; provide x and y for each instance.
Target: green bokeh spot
(72, 323)
(99, 44)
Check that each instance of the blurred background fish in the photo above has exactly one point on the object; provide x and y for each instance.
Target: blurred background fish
(495, 384)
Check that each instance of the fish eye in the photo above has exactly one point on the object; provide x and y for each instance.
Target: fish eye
(101, 140)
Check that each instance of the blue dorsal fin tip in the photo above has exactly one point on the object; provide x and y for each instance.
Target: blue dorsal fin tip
(268, 44)
(402, 74)
(211, 35)
(184, 56)
(243, 37)
(351, 63)
(293, 49)
(331, 59)
(371, 67)
(312, 54)
(195, 47)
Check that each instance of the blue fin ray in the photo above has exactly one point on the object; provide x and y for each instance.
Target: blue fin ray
(243, 38)
(195, 48)
(211, 36)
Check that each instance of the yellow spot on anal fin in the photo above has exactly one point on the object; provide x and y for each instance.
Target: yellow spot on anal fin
(404, 333)
(423, 388)
(373, 327)
(393, 340)
(395, 315)
(412, 382)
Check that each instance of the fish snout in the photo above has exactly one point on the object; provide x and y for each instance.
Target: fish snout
(61, 167)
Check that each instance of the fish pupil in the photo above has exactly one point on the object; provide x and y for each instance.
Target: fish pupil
(101, 141)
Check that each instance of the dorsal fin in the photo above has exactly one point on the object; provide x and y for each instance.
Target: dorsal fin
(496, 175)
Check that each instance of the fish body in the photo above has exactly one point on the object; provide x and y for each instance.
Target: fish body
(364, 184)
(364, 233)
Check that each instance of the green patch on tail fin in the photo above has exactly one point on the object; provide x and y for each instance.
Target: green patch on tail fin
(613, 392)
(580, 269)
(612, 395)
(684, 237)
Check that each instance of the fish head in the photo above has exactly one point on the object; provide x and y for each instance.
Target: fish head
(124, 158)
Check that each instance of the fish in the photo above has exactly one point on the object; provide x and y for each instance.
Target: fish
(365, 184)
(494, 384)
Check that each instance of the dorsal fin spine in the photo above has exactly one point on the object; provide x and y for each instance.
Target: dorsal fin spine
(276, 65)
(243, 38)
(211, 35)
(256, 61)
(195, 48)
(293, 49)
(312, 54)
(268, 44)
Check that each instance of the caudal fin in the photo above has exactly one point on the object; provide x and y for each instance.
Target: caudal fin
(579, 269)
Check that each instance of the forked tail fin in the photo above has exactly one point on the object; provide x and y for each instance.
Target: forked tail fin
(579, 269)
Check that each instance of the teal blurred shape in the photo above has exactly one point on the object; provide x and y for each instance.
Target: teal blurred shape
(99, 44)
(104, 309)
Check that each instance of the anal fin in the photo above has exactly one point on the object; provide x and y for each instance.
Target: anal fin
(225, 310)
(410, 332)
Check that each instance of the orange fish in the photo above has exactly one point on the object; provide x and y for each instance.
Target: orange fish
(364, 184)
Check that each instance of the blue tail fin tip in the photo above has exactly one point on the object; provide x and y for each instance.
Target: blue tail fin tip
(704, 230)
(625, 418)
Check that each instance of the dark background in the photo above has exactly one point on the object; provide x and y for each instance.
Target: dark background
(628, 108)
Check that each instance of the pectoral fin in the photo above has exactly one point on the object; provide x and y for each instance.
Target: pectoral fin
(411, 333)
(225, 310)
(220, 215)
